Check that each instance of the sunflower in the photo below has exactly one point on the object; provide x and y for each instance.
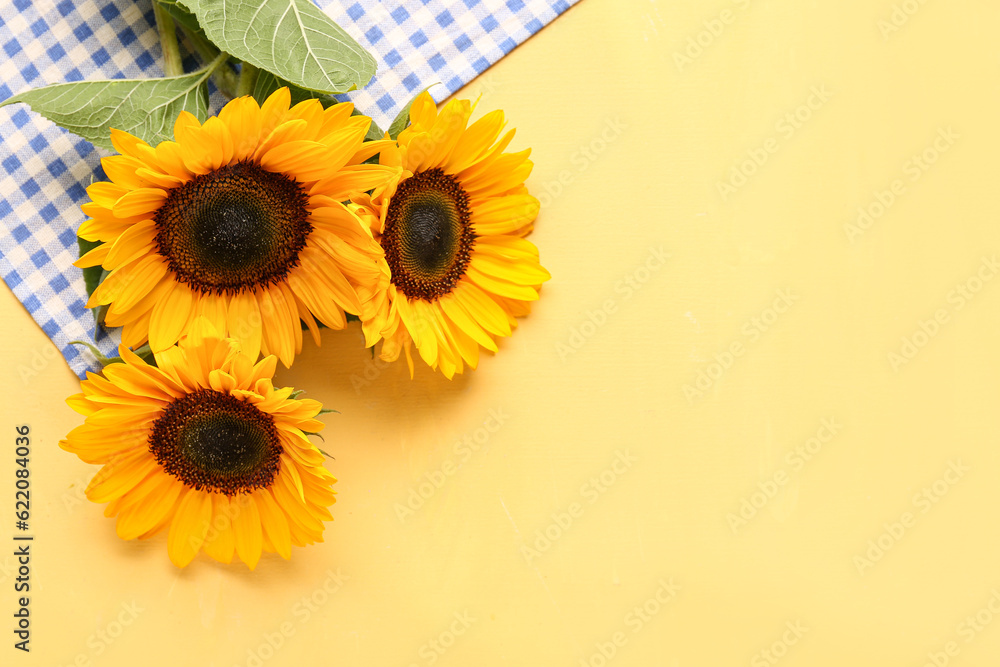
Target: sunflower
(239, 220)
(202, 444)
(451, 222)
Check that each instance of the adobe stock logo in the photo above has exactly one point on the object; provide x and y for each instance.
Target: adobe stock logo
(967, 630)
(271, 642)
(779, 648)
(39, 361)
(704, 39)
(751, 330)
(796, 460)
(900, 16)
(785, 128)
(626, 288)
(913, 170)
(461, 452)
(924, 501)
(591, 490)
(582, 159)
(635, 620)
(439, 645)
(101, 640)
(957, 298)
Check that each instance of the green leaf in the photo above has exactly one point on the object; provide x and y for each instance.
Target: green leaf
(293, 39)
(146, 108)
(400, 122)
(374, 133)
(146, 354)
(92, 277)
(91, 274)
(180, 13)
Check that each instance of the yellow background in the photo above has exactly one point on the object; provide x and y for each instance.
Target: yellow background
(661, 135)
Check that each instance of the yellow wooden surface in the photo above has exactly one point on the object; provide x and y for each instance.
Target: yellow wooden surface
(745, 424)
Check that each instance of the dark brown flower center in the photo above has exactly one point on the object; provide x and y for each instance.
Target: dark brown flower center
(216, 442)
(234, 228)
(428, 237)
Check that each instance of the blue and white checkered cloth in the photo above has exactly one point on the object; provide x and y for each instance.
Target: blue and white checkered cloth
(44, 170)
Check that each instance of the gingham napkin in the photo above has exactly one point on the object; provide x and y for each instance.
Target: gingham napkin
(44, 170)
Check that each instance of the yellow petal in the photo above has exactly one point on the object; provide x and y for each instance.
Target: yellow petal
(170, 157)
(354, 179)
(497, 176)
(94, 257)
(483, 309)
(275, 523)
(189, 527)
(219, 380)
(499, 286)
(280, 323)
(307, 160)
(212, 307)
(138, 240)
(503, 215)
(221, 141)
(157, 500)
(220, 541)
(446, 132)
(121, 170)
(519, 273)
(475, 141)
(144, 201)
(419, 328)
(508, 247)
(81, 404)
(274, 110)
(247, 530)
(185, 122)
(461, 317)
(324, 272)
(244, 323)
(105, 194)
(120, 476)
(160, 180)
(243, 116)
(133, 282)
(310, 292)
(125, 143)
(170, 317)
(311, 111)
(291, 130)
(423, 111)
(288, 468)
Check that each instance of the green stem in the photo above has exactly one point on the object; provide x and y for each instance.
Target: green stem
(219, 62)
(101, 359)
(224, 77)
(206, 50)
(248, 79)
(226, 81)
(172, 65)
